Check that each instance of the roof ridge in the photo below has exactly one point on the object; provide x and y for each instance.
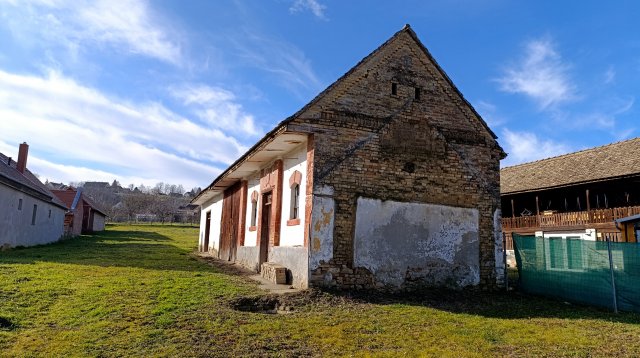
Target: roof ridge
(572, 153)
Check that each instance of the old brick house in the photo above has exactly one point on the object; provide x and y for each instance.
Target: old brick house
(388, 178)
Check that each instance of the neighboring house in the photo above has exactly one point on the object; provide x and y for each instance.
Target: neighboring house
(83, 216)
(579, 195)
(29, 213)
(388, 178)
(630, 228)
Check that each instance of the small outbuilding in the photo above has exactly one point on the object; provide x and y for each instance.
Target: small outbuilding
(29, 213)
(387, 179)
(83, 216)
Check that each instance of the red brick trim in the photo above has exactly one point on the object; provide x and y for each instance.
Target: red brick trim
(295, 178)
(253, 228)
(308, 202)
(243, 212)
(293, 222)
(277, 201)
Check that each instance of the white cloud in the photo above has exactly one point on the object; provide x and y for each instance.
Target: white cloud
(314, 6)
(289, 64)
(217, 107)
(74, 124)
(540, 75)
(610, 75)
(489, 113)
(127, 25)
(526, 146)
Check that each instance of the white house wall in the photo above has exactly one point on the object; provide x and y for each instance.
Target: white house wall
(251, 237)
(405, 243)
(98, 222)
(215, 207)
(292, 161)
(15, 225)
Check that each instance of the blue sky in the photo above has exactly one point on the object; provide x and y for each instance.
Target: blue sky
(174, 91)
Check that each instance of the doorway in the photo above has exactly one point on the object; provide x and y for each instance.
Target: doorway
(207, 229)
(265, 228)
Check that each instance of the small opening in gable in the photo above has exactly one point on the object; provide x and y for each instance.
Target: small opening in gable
(394, 89)
(417, 96)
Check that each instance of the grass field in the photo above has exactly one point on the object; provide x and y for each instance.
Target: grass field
(138, 291)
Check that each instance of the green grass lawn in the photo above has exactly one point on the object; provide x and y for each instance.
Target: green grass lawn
(138, 291)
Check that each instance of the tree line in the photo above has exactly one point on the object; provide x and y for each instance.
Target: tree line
(162, 203)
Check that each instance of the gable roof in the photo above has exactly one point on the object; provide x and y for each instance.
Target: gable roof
(72, 197)
(616, 160)
(26, 182)
(282, 125)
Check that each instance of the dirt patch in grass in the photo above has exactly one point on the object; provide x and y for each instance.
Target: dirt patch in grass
(6, 324)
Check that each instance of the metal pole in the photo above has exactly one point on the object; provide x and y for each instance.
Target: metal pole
(504, 260)
(613, 280)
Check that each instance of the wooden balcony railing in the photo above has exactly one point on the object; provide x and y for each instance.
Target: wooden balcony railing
(575, 218)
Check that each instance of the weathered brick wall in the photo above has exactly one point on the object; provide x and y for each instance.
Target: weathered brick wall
(369, 142)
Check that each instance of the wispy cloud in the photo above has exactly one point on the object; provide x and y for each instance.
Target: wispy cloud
(217, 107)
(489, 113)
(129, 26)
(314, 6)
(80, 125)
(526, 146)
(609, 75)
(289, 65)
(541, 75)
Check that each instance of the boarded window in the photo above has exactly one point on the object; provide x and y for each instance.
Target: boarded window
(254, 212)
(295, 202)
(33, 216)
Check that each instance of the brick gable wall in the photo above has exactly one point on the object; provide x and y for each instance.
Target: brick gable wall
(370, 143)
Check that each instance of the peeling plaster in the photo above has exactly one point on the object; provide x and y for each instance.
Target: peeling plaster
(322, 218)
(415, 243)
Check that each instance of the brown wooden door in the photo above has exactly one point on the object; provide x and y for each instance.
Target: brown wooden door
(207, 232)
(265, 228)
(230, 223)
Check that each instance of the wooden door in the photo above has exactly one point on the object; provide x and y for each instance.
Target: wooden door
(265, 228)
(230, 223)
(207, 232)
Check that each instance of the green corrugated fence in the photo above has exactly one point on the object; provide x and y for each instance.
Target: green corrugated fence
(580, 271)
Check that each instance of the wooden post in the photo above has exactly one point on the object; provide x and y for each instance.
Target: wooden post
(513, 210)
(588, 207)
(537, 206)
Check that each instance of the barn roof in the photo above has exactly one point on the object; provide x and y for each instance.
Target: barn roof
(612, 161)
(72, 197)
(26, 182)
(223, 180)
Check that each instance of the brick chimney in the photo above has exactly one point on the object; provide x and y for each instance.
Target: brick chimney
(21, 165)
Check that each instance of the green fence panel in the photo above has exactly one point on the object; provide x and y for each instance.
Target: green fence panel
(578, 271)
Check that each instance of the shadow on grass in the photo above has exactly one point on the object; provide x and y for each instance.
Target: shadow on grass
(140, 249)
(501, 305)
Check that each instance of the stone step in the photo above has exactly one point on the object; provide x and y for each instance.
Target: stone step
(274, 272)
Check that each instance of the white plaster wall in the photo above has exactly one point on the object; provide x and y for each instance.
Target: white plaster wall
(98, 222)
(251, 237)
(322, 220)
(406, 243)
(15, 225)
(215, 206)
(292, 161)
